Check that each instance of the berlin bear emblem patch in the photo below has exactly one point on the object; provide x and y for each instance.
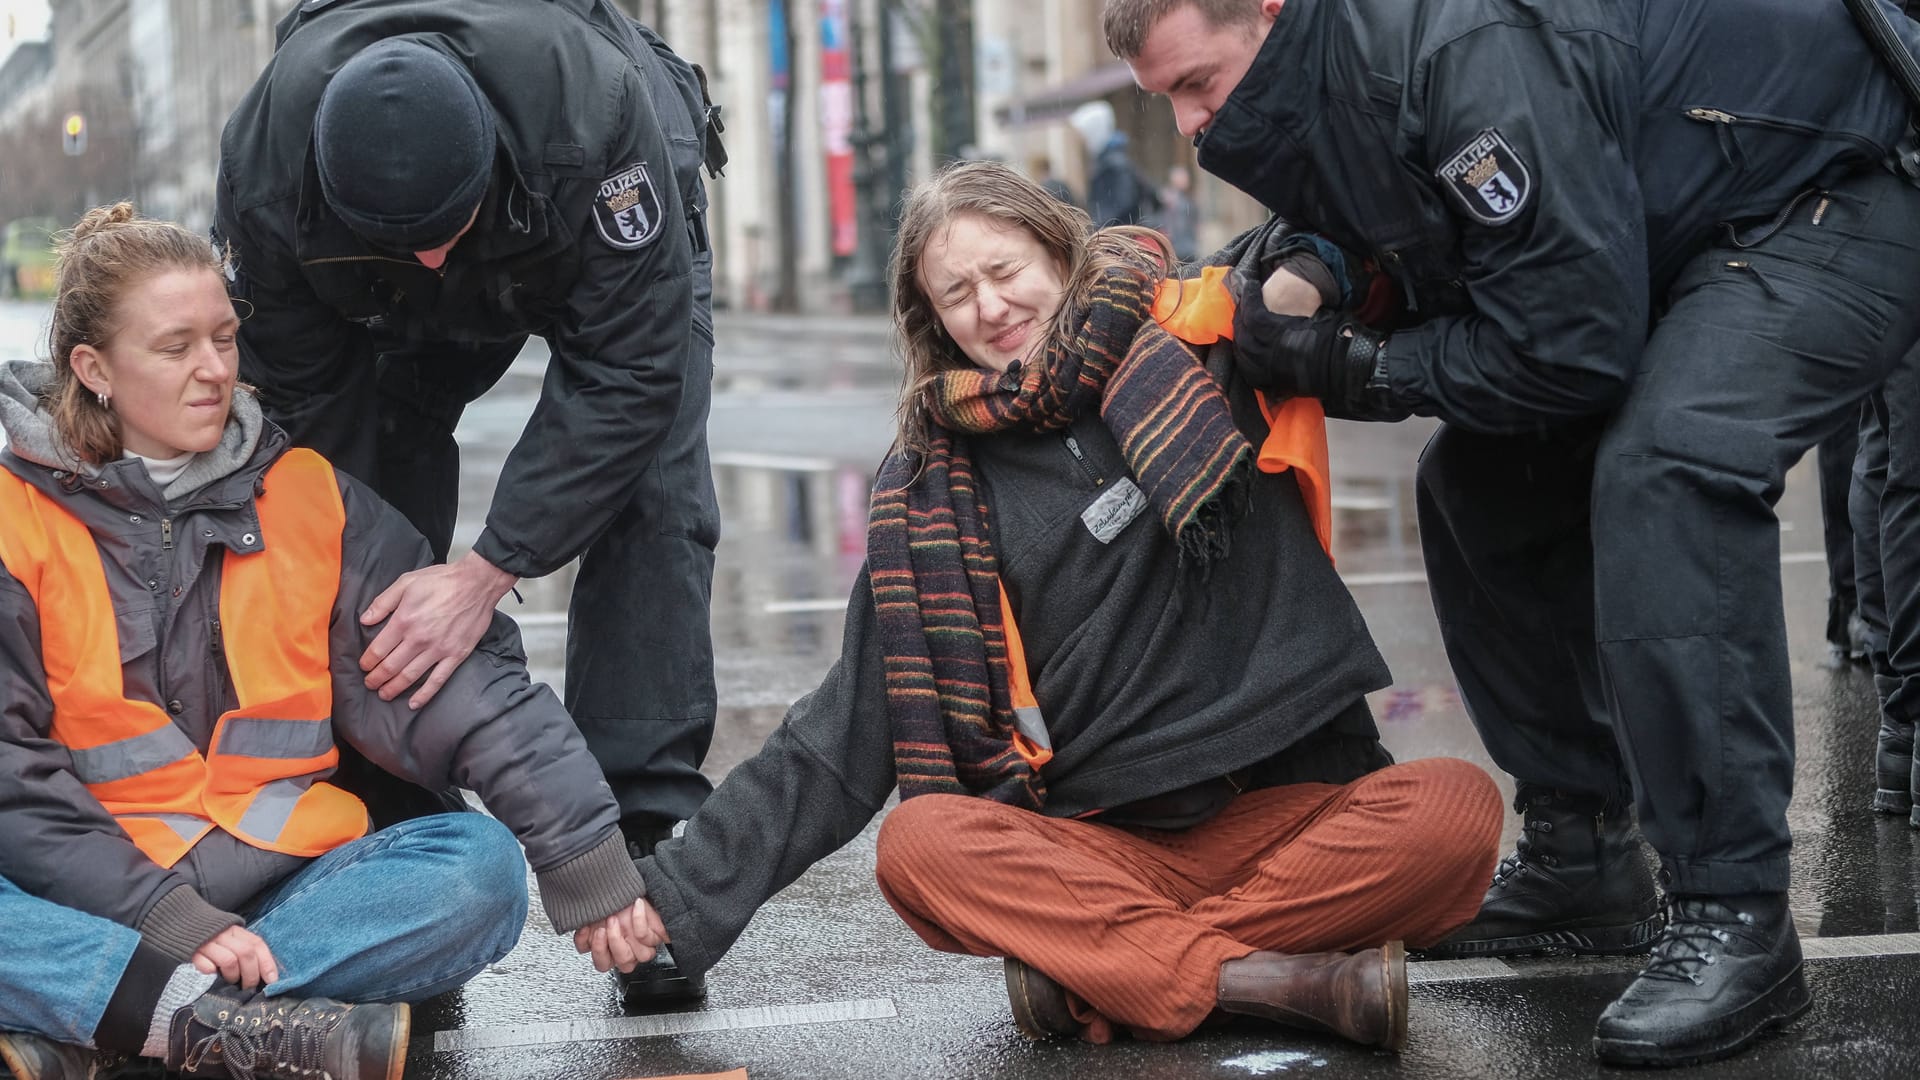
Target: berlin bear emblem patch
(1488, 178)
(627, 208)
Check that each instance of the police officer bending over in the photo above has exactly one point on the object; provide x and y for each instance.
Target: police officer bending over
(411, 189)
(1648, 252)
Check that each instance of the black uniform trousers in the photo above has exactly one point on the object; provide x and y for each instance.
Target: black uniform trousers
(639, 667)
(1886, 521)
(1609, 594)
(1834, 462)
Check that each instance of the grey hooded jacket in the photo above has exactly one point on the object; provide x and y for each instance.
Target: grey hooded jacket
(489, 729)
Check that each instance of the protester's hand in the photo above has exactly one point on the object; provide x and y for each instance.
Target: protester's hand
(1288, 293)
(239, 956)
(437, 616)
(1322, 354)
(625, 939)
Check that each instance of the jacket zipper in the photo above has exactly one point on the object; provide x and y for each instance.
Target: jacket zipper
(1729, 120)
(166, 534)
(1073, 447)
(362, 258)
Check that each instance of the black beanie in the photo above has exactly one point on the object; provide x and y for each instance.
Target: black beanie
(404, 140)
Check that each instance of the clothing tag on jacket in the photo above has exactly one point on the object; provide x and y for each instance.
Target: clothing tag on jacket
(1114, 510)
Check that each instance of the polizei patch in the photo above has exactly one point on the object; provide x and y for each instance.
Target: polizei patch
(1490, 181)
(627, 208)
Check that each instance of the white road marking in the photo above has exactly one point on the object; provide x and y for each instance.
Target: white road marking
(1839, 948)
(1432, 971)
(1354, 581)
(741, 459)
(641, 1027)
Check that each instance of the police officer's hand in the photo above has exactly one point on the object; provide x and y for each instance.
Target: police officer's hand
(239, 956)
(625, 939)
(437, 616)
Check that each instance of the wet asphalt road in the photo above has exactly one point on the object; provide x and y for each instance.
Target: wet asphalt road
(827, 983)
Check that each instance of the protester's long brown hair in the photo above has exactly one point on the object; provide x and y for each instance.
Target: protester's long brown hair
(995, 191)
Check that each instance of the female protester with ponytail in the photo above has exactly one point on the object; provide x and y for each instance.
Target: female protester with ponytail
(1100, 649)
(178, 646)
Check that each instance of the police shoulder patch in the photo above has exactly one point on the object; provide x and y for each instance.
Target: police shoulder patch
(1488, 179)
(627, 208)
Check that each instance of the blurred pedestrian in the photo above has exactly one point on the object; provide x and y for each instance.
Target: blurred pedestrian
(1117, 193)
(1135, 700)
(1648, 252)
(1179, 216)
(410, 190)
(180, 589)
(1041, 169)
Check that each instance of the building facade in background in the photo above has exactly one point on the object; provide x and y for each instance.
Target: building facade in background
(831, 108)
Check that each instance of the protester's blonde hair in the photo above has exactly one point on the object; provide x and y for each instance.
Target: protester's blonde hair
(105, 254)
(1000, 193)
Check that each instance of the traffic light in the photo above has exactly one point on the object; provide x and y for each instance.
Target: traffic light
(73, 135)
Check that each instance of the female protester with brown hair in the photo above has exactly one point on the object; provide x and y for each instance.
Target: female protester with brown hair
(1100, 649)
(179, 594)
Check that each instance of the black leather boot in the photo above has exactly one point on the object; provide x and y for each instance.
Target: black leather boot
(230, 1032)
(1893, 789)
(659, 981)
(1576, 882)
(1913, 786)
(1723, 972)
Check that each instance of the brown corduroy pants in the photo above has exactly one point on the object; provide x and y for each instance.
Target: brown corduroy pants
(1135, 923)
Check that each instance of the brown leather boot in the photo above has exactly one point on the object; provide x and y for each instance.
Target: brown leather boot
(1360, 996)
(1039, 1004)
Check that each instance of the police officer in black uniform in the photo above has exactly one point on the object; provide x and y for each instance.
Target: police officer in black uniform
(1648, 252)
(410, 190)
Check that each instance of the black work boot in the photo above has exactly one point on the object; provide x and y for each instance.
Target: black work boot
(1893, 788)
(35, 1057)
(659, 981)
(1577, 882)
(1723, 972)
(244, 1034)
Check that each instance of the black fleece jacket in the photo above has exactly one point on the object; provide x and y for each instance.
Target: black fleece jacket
(1152, 679)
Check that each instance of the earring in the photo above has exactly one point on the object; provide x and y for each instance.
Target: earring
(102, 395)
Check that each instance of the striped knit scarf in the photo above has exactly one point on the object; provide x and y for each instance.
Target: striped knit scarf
(935, 577)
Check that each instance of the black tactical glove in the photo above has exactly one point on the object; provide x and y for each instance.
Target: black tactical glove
(1327, 356)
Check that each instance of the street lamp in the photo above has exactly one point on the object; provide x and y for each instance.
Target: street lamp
(73, 135)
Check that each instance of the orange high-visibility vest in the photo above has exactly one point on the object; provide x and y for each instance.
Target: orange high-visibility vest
(258, 777)
(1198, 312)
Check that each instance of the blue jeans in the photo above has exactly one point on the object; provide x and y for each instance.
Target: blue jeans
(411, 911)
(406, 913)
(58, 966)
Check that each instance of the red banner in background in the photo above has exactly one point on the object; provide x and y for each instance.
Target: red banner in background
(836, 123)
